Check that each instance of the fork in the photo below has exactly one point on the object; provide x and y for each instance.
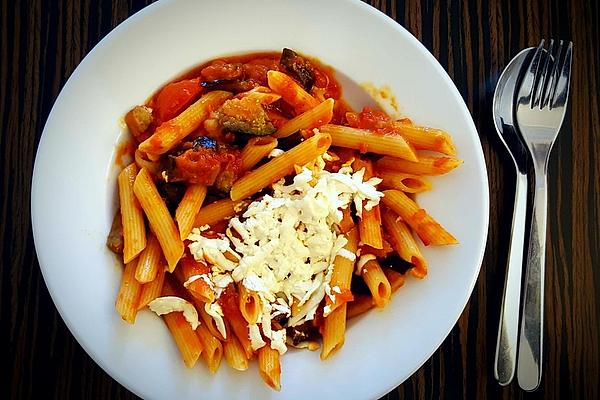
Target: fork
(540, 110)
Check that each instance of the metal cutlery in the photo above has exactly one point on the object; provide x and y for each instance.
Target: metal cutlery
(508, 327)
(540, 110)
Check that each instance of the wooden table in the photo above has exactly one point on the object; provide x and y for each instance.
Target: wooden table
(41, 43)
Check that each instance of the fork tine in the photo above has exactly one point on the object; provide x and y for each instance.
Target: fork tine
(542, 94)
(526, 90)
(555, 71)
(561, 90)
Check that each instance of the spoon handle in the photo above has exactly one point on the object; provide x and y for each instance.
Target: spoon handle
(508, 327)
(529, 370)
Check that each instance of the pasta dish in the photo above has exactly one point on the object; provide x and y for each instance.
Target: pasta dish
(260, 212)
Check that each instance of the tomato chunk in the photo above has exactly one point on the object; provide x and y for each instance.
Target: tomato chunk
(175, 97)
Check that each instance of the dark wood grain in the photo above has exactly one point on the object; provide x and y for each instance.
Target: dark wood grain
(41, 43)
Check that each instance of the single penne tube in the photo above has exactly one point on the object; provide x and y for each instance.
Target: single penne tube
(396, 278)
(369, 142)
(188, 208)
(369, 226)
(185, 337)
(250, 305)
(269, 367)
(132, 216)
(170, 133)
(291, 92)
(361, 304)
(334, 329)
(279, 167)
(404, 243)
(378, 284)
(212, 349)
(425, 138)
(216, 212)
(341, 276)
(235, 354)
(409, 183)
(239, 326)
(256, 150)
(313, 118)
(150, 261)
(423, 165)
(428, 229)
(152, 290)
(129, 294)
(160, 220)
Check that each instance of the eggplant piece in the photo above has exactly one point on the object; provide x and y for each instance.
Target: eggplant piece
(204, 142)
(172, 193)
(298, 67)
(235, 86)
(245, 116)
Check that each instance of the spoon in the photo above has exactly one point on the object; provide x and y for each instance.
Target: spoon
(508, 327)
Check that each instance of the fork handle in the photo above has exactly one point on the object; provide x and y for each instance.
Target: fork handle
(529, 370)
(508, 326)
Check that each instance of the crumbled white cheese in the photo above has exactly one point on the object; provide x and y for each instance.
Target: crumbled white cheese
(169, 304)
(287, 243)
(211, 250)
(194, 278)
(275, 153)
(256, 340)
(216, 312)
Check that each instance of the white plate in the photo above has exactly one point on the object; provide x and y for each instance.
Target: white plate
(73, 193)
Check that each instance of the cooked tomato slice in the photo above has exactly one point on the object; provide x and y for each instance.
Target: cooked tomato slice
(175, 97)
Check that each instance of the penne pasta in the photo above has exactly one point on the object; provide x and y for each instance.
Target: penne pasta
(378, 284)
(403, 242)
(313, 118)
(369, 142)
(170, 133)
(370, 228)
(188, 209)
(152, 290)
(428, 229)
(235, 354)
(185, 338)
(129, 294)
(132, 216)
(424, 138)
(192, 274)
(279, 167)
(408, 183)
(423, 165)
(291, 92)
(249, 304)
(150, 261)
(333, 331)
(396, 278)
(269, 368)
(361, 304)
(212, 349)
(216, 212)
(256, 150)
(160, 220)
(341, 275)
(239, 326)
